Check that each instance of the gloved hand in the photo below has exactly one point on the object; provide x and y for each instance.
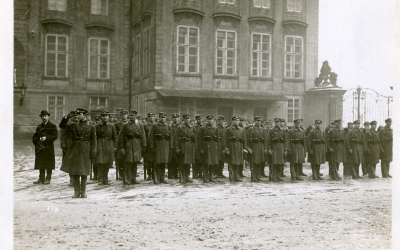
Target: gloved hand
(123, 151)
(226, 151)
(250, 151)
(71, 114)
(265, 152)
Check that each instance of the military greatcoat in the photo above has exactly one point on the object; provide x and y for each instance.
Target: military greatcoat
(106, 142)
(221, 132)
(132, 138)
(335, 142)
(185, 140)
(386, 137)
(355, 141)
(83, 147)
(276, 142)
(257, 142)
(235, 141)
(373, 145)
(44, 158)
(296, 143)
(209, 144)
(160, 139)
(316, 146)
(148, 155)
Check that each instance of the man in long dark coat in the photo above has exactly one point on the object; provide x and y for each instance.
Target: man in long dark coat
(131, 142)
(257, 143)
(198, 165)
(316, 149)
(43, 139)
(374, 149)
(365, 165)
(346, 164)
(120, 159)
(221, 131)
(65, 143)
(106, 147)
(296, 143)
(285, 129)
(185, 145)
(160, 142)
(77, 160)
(148, 157)
(336, 146)
(386, 137)
(209, 145)
(355, 145)
(277, 148)
(173, 164)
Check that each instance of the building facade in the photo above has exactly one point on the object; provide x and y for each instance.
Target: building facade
(230, 57)
(69, 54)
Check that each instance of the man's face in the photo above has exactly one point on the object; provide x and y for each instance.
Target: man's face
(373, 126)
(357, 125)
(297, 124)
(45, 118)
(162, 119)
(337, 125)
(350, 125)
(258, 122)
(389, 123)
(88, 117)
(367, 126)
(236, 122)
(277, 124)
(219, 122)
(132, 118)
(152, 118)
(186, 120)
(105, 118)
(317, 125)
(210, 121)
(124, 116)
(175, 120)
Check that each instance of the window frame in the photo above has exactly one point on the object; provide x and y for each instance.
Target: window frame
(231, 2)
(56, 56)
(259, 52)
(292, 70)
(224, 58)
(294, 109)
(262, 6)
(98, 1)
(137, 55)
(98, 101)
(55, 106)
(145, 51)
(186, 63)
(295, 3)
(98, 58)
(54, 2)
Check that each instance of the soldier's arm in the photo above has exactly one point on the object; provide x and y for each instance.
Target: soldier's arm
(114, 135)
(63, 123)
(93, 141)
(171, 138)
(287, 140)
(309, 136)
(347, 140)
(150, 137)
(244, 139)
(52, 134)
(144, 139)
(121, 137)
(269, 140)
(176, 138)
(200, 139)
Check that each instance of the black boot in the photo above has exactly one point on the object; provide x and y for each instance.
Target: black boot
(210, 173)
(77, 187)
(273, 170)
(41, 177)
(236, 173)
(83, 186)
(231, 172)
(353, 171)
(387, 170)
(186, 173)
(71, 180)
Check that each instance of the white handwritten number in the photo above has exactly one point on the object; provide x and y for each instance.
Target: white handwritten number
(52, 209)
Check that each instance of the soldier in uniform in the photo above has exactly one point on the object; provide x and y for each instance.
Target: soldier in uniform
(346, 164)
(83, 149)
(120, 159)
(97, 118)
(285, 129)
(336, 147)
(241, 124)
(296, 143)
(148, 159)
(209, 145)
(257, 142)
(355, 145)
(43, 139)
(221, 131)
(277, 148)
(365, 164)
(268, 126)
(160, 142)
(234, 144)
(173, 164)
(106, 147)
(185, 145)
(131, 144)
(198, 165)
(386, 137)
(65, 143)
(374, 149)
(316, 149)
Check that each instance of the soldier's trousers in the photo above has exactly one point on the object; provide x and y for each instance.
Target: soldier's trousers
(295, 169)
(173, 169)
(197, 169)
(149, 165)
(130, 169)
(335, 171)
(184, 172)
(347, 168)
(42, 174)
(365, 168)
(316, 171)
(220, 168)
(207, 173)
(355, 171)
(276, 172)
(255, 171)
(159, 173)
(385, 165)
(103, 169)
(371, 170)
(120, 164)
(95, 171)
(233, 172)
(80, 184)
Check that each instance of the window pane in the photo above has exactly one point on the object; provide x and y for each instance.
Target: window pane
(266, 4)
(60, 100)
(94, 7)
(51, 64)
(181, 68)
(93, 46)
(102, 101)
(192, 60)
(93, 67)
(192, 68)
(257, 3)
(181, 50)
(296, 114)
(104, 7)
(51, 43)
(290, 103)
(229, 71)
(219, 70)
(298, 5)
(296, 103)
(62, 44)
(181, 59)
(254, 72)
(230, 54)
(104, 47)
(52, 100)
(192, 51)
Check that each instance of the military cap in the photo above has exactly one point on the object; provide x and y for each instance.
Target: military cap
(209, 117)
(175, 115)
(71, 114)
(124, 112)
(297, 121)
(282, 120)
(186, 116)
(150, 114)
(241, 118)
(333, 123)
(198, 116)
(162, 114)
(235, 117)
(81, 110)
(366, 123)
(268, 122)
(133, 112)
(338, 121)
(318, 121)
(221, 117)
(105, 113)
(97, 116)
(44, 112)
(356, 122)
(277, 120)
(257, 118)
(349, 123)
(388, 120)
(373, 123)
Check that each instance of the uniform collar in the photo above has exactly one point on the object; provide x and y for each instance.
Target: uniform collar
(277, 128)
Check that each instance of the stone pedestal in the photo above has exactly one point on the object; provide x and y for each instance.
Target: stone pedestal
(324, 103)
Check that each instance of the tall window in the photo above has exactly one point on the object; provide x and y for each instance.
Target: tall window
(261, 56)
(226, 52)
(294, 57)
(146, 51)
(227, 1)
(188, 49)
(294, 5)
(58, 5)
(136, 57)
(55, 106)
(265, 4)
(99, 58)
(98, 101)
(56, 60)
(99, 7)
(293, 109)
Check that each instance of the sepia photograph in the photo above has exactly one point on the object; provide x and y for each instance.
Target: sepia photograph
(200, 124)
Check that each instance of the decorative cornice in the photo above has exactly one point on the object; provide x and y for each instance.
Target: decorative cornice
(225, 14)
(56, 20)
(262, 18)
(145, 14)
(102, 25)
(296, 22)
(189, 10)
(136, 22)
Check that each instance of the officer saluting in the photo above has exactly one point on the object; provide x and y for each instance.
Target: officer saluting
(43, 139)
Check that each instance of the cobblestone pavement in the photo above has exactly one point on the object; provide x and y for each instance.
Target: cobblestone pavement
(346, 214)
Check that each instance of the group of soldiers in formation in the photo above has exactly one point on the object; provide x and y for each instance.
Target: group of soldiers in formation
(205, 145)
